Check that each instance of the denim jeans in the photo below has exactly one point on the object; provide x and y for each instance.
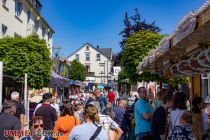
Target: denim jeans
(141, 135)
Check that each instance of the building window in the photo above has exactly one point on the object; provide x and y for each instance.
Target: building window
(98, 57)
(87, 48)
(87, 56)
(36, 25)
(77, 57)
(4, 29)
(87, 68)
(43, 31)
(18, 8)
(49, 36)
(28, 16)
(4, 2)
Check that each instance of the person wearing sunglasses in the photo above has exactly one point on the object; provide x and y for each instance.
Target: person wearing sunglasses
(37, 127)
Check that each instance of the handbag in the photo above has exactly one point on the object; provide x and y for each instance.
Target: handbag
(96, 133)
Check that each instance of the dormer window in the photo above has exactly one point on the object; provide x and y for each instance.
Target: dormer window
(87, 48)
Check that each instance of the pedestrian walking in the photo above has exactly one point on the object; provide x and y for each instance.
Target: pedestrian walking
(122, 118)
(37, 128)
(160, 118)
(20, 109)
(158, 101)
(94, 98)
(8, 121)
(89, 130)
(55, 105)
(179, 106)
(183, 131)
(142, 115)
(47, 112)
(65, 123)
(111, 96)
(197, 107)
(109, 110)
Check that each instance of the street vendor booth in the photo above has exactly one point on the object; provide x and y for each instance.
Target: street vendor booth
(186, 52)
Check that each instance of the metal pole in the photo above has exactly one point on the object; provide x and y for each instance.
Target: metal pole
(1, 82)
(26, 102)
(107, 71)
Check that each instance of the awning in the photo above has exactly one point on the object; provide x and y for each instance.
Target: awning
(186, 51)
(58, 81)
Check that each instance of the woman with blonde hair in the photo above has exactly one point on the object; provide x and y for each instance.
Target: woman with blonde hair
(89, 130)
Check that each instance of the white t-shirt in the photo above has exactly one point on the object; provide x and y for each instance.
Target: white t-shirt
(175, 116)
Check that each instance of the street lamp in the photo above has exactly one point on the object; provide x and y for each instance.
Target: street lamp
(56, 51)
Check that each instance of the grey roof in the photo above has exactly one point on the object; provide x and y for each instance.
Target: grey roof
(105, 51)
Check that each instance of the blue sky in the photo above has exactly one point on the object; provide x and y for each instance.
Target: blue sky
(99, 22)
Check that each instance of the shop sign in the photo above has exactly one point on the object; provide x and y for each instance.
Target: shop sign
(184, 30)
(116, 70)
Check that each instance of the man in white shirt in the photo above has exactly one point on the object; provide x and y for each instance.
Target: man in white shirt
(55, 105)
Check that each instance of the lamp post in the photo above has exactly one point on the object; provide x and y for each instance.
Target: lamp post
(56, 51)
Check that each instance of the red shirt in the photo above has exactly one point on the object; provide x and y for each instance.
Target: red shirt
(111, 97)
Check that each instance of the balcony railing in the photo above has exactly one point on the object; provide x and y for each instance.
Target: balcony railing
(90, 74)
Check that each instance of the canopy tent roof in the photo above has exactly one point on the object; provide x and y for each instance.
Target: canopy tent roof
(58, 81)
(177, 54)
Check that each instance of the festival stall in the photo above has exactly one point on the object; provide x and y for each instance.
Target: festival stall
(186, 52)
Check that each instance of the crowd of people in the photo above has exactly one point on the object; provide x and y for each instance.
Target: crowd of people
(101, 115)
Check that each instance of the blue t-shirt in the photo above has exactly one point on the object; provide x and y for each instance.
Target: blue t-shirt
(142, 125)
(85, 131)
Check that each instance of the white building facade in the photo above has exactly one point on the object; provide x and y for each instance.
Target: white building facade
(21, 18)
(97, 62)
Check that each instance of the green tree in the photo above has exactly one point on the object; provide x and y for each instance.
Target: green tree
(77, 71)
(136, 48)
(26, 55)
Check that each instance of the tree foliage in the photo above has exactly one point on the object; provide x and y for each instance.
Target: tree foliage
(116, 59)
(77, 71)
(136, 48)
(135, 24)
(26, 55)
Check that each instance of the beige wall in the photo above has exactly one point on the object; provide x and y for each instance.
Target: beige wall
(95, 66)
(21, 27)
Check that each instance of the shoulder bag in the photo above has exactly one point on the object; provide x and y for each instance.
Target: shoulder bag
(96, 133)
